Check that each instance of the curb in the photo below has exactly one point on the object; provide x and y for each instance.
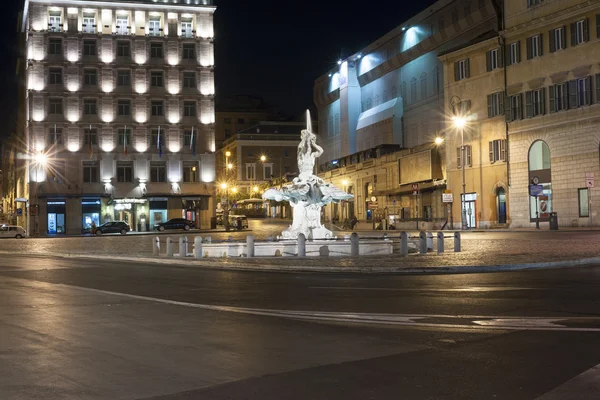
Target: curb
(430, 270)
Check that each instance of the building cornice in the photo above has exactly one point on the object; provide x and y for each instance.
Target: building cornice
(125, 4)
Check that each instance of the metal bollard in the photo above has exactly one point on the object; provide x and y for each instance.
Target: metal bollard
(429, 241)
(301, 245)
(354, 250)
(156, 246)
(457, 242)
(422, 242)
(404, 243)
(440, 242)
(169, 247)
(183, 246)
(250, 246)
(198, 247)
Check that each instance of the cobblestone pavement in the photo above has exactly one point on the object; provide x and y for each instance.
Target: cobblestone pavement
(488, 248)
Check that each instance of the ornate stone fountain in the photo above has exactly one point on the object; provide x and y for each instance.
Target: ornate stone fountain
(307, 193)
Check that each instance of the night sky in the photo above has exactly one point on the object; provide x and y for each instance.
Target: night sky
(273, 49)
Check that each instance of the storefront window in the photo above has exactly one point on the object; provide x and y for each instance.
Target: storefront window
(90, 212)
(56, 216)
(540, 173)
(158, 211)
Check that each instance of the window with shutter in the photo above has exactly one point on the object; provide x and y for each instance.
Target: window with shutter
(515, 53)
(468, 158)
(458, 157)
(573, 94)
(491, 146)
(529, 104)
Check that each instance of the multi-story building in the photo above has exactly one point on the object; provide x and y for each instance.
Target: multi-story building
(119, 112)
(476, 163)
(239, 112)
(553, 109)
(392, 93)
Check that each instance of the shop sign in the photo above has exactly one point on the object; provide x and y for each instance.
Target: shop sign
(447, 198)
(130, 201)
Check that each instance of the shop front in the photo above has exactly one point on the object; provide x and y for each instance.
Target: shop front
(56, 216)
(91, 209)
(133, 211)
(158, 207)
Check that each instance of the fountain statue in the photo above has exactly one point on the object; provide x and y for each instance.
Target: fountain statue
(307, 193)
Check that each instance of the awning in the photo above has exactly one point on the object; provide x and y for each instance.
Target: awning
(387, 110)
(406, 189)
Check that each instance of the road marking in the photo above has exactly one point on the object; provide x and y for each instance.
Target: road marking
(585, 386)
(503, 323)
(465, 289)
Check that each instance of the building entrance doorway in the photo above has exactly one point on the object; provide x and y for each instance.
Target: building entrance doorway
(470, 211)
(501, 200)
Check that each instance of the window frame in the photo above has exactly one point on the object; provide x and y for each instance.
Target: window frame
(158, 172)
(587, 202)
(90, 77)
(125, 172)
(157, 50)
(189, 108)
(55, 76)
(55, 46)
(122, 106)
(123, 48)
(121, 73)
(55, 104)
(91, 171)
(157, 77)
(90, 105)
(190, 78)
(159, 105)
(89, 44)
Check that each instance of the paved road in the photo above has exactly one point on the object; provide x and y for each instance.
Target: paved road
(93, 329)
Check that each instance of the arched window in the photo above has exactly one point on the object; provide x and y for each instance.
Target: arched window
(455, 16)
(540, 174)
(394, 92)
(413, 90)
(423, 86)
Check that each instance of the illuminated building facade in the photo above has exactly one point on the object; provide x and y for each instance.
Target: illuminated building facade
(391, 93)
(119, 112)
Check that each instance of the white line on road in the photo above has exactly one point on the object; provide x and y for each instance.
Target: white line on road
(585, 386)
(465, 289)
(365, 318)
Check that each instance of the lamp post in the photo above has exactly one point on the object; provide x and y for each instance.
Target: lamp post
(459, 123)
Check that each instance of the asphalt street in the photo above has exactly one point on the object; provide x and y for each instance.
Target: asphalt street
(96, 329)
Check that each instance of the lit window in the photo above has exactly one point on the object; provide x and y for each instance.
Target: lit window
(154, 26)
(89, 23)
(186, 28)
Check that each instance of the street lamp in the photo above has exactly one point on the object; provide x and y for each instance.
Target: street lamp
(439, 141)
(460, 123)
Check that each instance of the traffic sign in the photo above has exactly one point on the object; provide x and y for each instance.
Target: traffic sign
(447, 198)
(415, 189)
(373, 205)
(536, 190)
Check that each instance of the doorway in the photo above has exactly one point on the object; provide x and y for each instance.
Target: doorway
(501, 200)
(470, 212)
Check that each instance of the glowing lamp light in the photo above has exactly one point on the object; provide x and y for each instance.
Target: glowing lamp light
(107, 147)
(208, 176)
(228, 154)
(107, 58)
(140, 59)
(40, 158)
(459, 122)
(174, 147)
(73, 147)
(141, 118)
(234, 190)
(39, 146)
(173, 89)
(38, 86)
(255, 189)
(140, 88)
(72, 57)
(174, 118)
(38, 116)
(141, 147)
(345, 182)
(107, 87)
(107, 117)
(73, 117)
(439, 140)
(71, 10)
(36, 26)
(339, 62)
(223, 186)
(230, 166)
(263, 158)
(72, 86)
(173, 60)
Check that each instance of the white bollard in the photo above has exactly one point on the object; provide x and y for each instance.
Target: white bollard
(250, 246)
(169, 247)
(429, 241)
(198, 247)
(301, 245)
(440, 242)
(354, 250)
(457, 242)
(156, 246)
(422, 242)
(404, 243)
(182, 246)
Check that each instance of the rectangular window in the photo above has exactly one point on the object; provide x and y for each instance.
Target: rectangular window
(189, 80)
(154, 137)
(124, 172)
(89, 107)
(267, 171)
(494, 59)
(189, 108)
(515, 53)
(535, 102)
(531, 3)
(187, 137)
(559, 99)
(89, 23)
(186, 28)
(55, 46)
(124, 136)
(123, 48)
(124, 77)
(516, 108)
(158, 172)
(55, 76)
(461, 70)
(55, 137)
(190, 172)
(157, 109)
(122, 24)
(557, 39)
(468, 157)
(154, 26)
(90, 172)
(90, 135)
(55, 21)
(189, 51)
(495, 104)
(156, 50)
(580, 92)
(227, 121)
(534, 47)
(584, 202)
(497, 150)
(89, 48)
(90, 77)
(580, 32)
(156, 78)
(123, 107)
(55, 106)
(250, 171)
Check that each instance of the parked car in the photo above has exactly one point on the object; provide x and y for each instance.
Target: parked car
(113, 227)
(238, 221)
(12, 231)
(175, 223)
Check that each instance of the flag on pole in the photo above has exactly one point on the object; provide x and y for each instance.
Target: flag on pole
(90, 149)
(158, 143)
(125, 140)
(193, 143)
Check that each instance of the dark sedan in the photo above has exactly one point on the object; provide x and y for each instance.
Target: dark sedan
(175, 223)
(113, 227)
